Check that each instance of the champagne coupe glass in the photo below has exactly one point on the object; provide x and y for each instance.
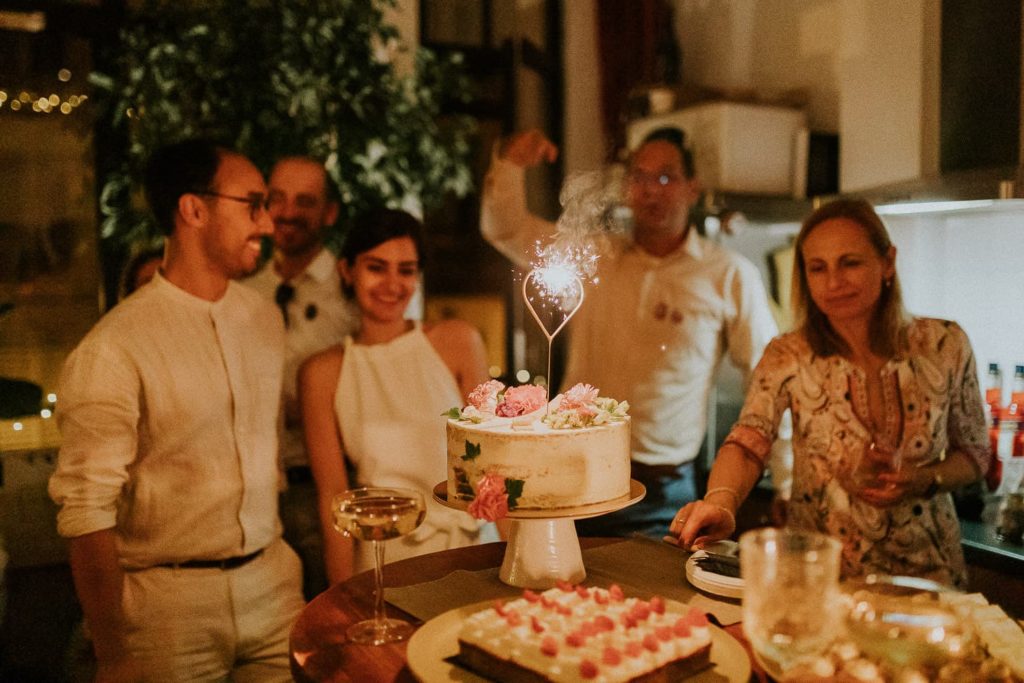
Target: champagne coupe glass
(791, 599)
(376, 514)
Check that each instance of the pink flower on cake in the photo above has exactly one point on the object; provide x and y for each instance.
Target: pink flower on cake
(491, 502)
(581, 398)
(485, 397)
(521, 400)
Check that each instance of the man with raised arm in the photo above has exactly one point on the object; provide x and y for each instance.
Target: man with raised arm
(667, 306)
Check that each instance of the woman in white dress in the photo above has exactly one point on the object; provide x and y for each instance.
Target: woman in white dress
(376, 401)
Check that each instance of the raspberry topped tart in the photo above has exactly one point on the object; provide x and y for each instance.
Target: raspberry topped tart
(573, 633)
(509, 449)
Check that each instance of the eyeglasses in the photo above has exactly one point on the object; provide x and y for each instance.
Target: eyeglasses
(661, 179)
(305, 202)
(257, 202)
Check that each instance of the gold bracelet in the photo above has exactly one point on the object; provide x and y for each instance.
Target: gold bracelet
(725, 489)
(732, 517)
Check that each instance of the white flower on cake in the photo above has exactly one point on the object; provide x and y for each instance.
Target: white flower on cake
(578, 407)
(582, 407)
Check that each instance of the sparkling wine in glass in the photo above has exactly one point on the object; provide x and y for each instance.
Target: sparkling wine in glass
(376, 514)
(791, 600)
(880, 456)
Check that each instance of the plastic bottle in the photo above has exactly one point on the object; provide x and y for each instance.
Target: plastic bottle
(1016, 405)
(994, 391)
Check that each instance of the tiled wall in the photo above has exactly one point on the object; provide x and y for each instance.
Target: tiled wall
(968, 267)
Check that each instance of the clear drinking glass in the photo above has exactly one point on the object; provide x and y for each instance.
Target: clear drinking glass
(878, 457)
(376, 514)
(791, 600)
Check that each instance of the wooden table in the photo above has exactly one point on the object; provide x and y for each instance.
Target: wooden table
(318, 648)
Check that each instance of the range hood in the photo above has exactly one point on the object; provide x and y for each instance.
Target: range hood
(968, 190)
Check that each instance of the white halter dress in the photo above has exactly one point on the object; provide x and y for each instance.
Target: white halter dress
(389, 404)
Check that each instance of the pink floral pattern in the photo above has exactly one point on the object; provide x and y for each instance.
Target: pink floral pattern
(491, 502)
(521, 400)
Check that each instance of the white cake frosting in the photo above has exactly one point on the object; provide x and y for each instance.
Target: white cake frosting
(558, 468)
(570, 633)
(548, 459)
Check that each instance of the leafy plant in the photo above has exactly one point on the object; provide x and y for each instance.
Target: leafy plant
(278, 77)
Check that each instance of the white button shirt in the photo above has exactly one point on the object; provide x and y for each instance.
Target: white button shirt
(168, 412)
(654, 329)
(318, 317)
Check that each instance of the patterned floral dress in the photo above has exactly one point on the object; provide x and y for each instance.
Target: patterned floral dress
(932, 405)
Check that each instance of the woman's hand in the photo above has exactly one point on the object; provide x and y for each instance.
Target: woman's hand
(699, 523)
(878, 477)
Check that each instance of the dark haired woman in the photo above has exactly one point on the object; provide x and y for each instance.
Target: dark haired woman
(887, 412)
(376, 400)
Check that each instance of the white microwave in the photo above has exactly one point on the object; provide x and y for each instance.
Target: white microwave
(739, 147)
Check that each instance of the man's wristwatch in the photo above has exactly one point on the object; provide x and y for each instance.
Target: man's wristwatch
(934, 486)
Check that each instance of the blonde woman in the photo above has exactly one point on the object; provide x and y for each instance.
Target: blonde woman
(887, 412)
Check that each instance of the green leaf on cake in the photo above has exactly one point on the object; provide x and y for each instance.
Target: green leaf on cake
(472, 450)
(463, 489)
(453, 413)
(514, 489)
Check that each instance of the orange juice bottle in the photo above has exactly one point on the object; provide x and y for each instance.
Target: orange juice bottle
(1016, 405)
(994, 390)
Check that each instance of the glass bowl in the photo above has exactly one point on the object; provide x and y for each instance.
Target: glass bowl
(905, 622)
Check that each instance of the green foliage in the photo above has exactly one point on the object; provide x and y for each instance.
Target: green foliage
(514, 489)
(276, 77)
(453, 413)
(472, 451)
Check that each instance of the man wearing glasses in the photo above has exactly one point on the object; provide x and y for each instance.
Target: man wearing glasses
(667, 306)
(302, 279)
(167, 477)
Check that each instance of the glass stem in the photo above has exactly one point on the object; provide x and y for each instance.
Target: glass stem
(378, 578)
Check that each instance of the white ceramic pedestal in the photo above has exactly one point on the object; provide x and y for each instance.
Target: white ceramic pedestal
(541, 552)
(543, 547)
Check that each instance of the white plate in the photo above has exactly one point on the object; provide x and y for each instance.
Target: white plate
(710, 582)
(438, 639)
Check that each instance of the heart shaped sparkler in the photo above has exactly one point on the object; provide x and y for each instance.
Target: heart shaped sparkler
(557, 293)
(552, 293)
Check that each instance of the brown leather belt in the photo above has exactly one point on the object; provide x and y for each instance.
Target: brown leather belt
(226, 563)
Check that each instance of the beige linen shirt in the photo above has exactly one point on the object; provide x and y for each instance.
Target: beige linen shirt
(318, 317)
(168, 412)
(653, 330)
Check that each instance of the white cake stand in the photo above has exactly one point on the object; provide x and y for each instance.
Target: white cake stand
(543, 547)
